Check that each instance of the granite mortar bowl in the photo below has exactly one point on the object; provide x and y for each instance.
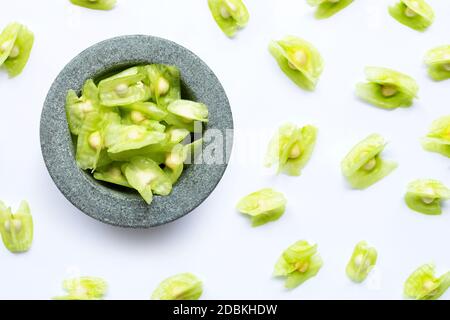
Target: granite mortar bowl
(105, 202)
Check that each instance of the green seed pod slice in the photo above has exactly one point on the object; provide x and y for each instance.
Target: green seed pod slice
(425, 196)
(263, 206)
(112, 173)
(422, 284)
(189, 110)
(165, 83)
(146, 176)
(291, 148)
(121, 138)
(328, 8)
(20, 53)
(362, 262)
(84, 288)
(230, 15)
(416, 14)
(299, 60)
(363, 165)
(7, 39)
(387, 89)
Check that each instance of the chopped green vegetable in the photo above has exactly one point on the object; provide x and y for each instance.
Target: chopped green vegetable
(183, 286)
(387, 89)
(7, 39)
(145, 175)
(165, 83)
(95, 4)
(299, 60)
(91, 142)
(422, 284)
(291, 148)
(77, 108)
(298, 263)
(363, 165)
(189, 110)
(176, 158)
(132, 138)
(362, 261)
(84, 288)
(328, 8)
(438, 138)
(16, 42)
(230, 15)
(425, 196)
(137, 118)
(176, 121)
(125, 88)
(438, 61)
(16, 229)
(263, 206)
(148, 109)
(177, 135)
(121, 138)
(416, 14)
(112, 173)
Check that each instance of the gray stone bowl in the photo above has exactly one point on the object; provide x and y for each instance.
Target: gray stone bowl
(105, 202)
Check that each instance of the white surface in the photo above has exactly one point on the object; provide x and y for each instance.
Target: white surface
(216, 243)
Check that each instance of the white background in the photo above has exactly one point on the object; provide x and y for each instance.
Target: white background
(215, 242)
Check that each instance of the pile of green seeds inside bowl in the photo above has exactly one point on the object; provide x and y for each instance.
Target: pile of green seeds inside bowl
(134, 130)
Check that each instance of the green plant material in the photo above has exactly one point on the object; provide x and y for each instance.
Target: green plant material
(16, 229)
(416, 14)
(16, 42)
(189, 111)
(230, 15)
(298, 263)
(77, 108)
(125, 88)
(148, 109)
(95, 4)
(177, 158)
(438, 137)
(91, 142)
(299, 60)
(426, 196)
(112, 173)
(263, 206)
(176, 135)
(438, 62)
(176, 121)
(126, 139)
(165, 83)
(134, 117)
(193, 151)
(173, 137)
(184, 286)
(7, 39)
(291, 148)
(387, 89)
(363, 165)
(119, 138)
(84, 288)
(422, 284)
(328, 8)
(146, 176)
(362, 262)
